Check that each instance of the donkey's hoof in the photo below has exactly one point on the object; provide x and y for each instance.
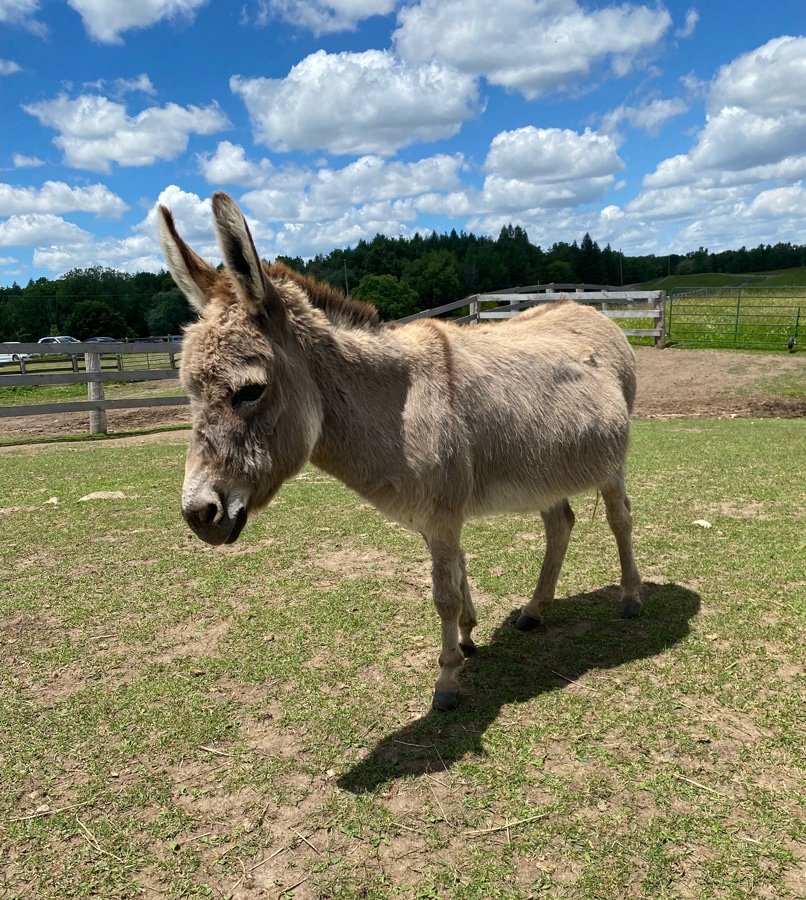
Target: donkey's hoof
(444, 701)
(527, 623)
(630, 609)
(468, 649)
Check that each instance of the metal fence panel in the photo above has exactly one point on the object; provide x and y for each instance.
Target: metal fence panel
(761, 318)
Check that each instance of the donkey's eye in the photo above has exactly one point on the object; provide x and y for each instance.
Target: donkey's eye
(249, 393)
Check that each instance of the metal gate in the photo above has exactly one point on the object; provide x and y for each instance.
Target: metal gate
(751, 317)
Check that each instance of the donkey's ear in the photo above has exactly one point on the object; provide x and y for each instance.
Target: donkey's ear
(255, 288)
(194, 276)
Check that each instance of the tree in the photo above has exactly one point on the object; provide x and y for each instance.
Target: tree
(91, 318)
(297, 263)
(590, 265)
(390, 297)
(561, 272)
(169, 313)
(435, 278)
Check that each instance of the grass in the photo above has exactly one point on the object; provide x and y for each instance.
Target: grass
(191, 721)
(776, 278)
(760, 319)
(18, 395)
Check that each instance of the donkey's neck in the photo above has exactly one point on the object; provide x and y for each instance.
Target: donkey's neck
(363, 378)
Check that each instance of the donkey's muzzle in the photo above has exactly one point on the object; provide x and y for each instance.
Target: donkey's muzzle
(215, 519)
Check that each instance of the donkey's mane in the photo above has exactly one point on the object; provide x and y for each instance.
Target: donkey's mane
(340, 309)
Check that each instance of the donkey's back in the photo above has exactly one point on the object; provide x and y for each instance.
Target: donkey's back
(545, 402)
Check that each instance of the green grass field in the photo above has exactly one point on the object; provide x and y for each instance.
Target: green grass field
(18, 395)
(750, 319)
(185, 721)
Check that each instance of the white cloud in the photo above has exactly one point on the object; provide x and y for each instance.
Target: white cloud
(768, 81)
(546, 168)
(95, 132)
(454, 205)
(738, 140)
(133, 254)
(22, 13)
(649, 117)
(779, 202)
(120, 86)
(26, 162)
(747, 162)
(685, 201)
(60, 246)
(349, 228)
(58, 197)
(323, 16)
(692, 18)
(357, 103)
(532, 46)
(27, 230)
(9, 67)
(194, 215)
(510, 195)
(229, 165)
(778, 208)
(756, 111)
(294, 195)
(371, 179)
(106, 20)
(549, 155)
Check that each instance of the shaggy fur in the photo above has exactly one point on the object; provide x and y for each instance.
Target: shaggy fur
(431, 422)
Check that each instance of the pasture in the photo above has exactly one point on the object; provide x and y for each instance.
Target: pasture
(747, 317)
(254, 720)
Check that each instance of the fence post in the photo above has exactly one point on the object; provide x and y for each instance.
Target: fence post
(475, 307)
(736, 325)
(660, 340)
(95, 391)
(670, 298)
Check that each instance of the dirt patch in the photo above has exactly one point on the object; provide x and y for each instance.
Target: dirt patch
(671, 382)
(118, 421)
(717, 384)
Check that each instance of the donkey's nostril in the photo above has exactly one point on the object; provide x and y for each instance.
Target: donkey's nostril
(209, 514)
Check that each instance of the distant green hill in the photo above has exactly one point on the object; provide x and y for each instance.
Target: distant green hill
(781, 278)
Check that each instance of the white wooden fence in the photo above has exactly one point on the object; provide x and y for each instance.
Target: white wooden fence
(155, 360)
(510, 303)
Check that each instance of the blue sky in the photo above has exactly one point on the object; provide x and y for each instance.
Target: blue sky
(657, 127)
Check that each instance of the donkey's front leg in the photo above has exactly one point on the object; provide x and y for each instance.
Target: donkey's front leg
(447, 574)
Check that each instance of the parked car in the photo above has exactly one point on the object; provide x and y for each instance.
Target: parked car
(59, 339)
(106, 340)
(13, 357)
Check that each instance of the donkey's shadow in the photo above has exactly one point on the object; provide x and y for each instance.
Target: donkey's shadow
(583, 634)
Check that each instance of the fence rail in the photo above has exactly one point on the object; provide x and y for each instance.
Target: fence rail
(153, 360)
(505, 305)
(751, 317)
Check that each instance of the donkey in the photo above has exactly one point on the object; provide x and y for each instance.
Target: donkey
(431, 422)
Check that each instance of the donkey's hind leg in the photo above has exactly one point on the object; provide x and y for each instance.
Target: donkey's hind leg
(619, 518)
(558, 522)
(467, 617)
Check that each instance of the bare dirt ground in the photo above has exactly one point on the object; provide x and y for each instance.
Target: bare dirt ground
(671, 383)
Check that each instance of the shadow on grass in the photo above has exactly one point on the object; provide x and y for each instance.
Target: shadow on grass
(583, 634)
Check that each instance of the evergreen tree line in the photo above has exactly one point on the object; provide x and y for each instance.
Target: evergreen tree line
(400, 276)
